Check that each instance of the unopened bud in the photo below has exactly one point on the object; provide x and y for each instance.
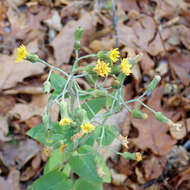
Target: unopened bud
(47, 87)
(152, 85)
(78, 33)
(32, 58)
(63, 109)
(138, 114)
(129, 156)
(116, 84)
(104, 55)
(159, 116)
(77, 45)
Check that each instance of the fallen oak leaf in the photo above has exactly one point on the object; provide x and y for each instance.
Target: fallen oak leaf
(63, 44)
(180, 64)
(153, 134)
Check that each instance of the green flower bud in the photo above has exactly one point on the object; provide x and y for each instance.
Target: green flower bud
(152, 85)
(129, 156)
(78, 33)
(116, 84)
(104, 55)
(32, 58)
(138, 114)
(81, 114)
(115, 69)
(63, 108)
(159, 116)
(77, 45)
(47, 87)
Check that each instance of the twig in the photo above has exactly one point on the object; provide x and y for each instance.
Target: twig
(114, 19)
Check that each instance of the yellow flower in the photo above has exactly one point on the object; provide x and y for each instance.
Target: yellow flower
(126, 66)
(21, 54)
(102, 68)
(65, 121)
(87, 128)
(114, 55)
(138, 156)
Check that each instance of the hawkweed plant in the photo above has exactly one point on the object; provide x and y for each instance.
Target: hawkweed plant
(70, 142)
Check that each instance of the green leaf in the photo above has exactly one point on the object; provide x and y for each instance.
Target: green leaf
(109, 134)
(84, 165)
(58, 82)
(82, 184)
(94, 106)
(54, 180)
(89, 140)
(101, 163)
(67, 170)
(55, 160)
(57, 133)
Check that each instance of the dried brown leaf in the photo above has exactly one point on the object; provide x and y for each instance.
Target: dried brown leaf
(180, 64)
(152, 133)
(35, 107)
(63, 44)
(12, 183)
(18, 155)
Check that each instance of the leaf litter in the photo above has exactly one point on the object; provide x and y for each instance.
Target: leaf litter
(158, 29)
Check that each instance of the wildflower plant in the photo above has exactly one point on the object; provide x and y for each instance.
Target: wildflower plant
(73, 142)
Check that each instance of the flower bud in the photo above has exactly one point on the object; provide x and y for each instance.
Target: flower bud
(116, 84)
(77, 45)
(63, 109)
(129, 156)
(32, 58)
(78, 33)
(115, 69)
(138, 114)
(104, 55)
(82, 115)
(152, 85)
(159, 116)
(47, 87)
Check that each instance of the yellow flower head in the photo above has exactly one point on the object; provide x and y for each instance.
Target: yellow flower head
(114, 55)
(87, 128)
(102, 68)
(21, 54)
(65, 121)
(138, 156)
(126, 66)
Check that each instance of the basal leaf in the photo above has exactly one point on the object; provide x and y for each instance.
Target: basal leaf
(82, 184)
(54, 180)
(83, 164)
